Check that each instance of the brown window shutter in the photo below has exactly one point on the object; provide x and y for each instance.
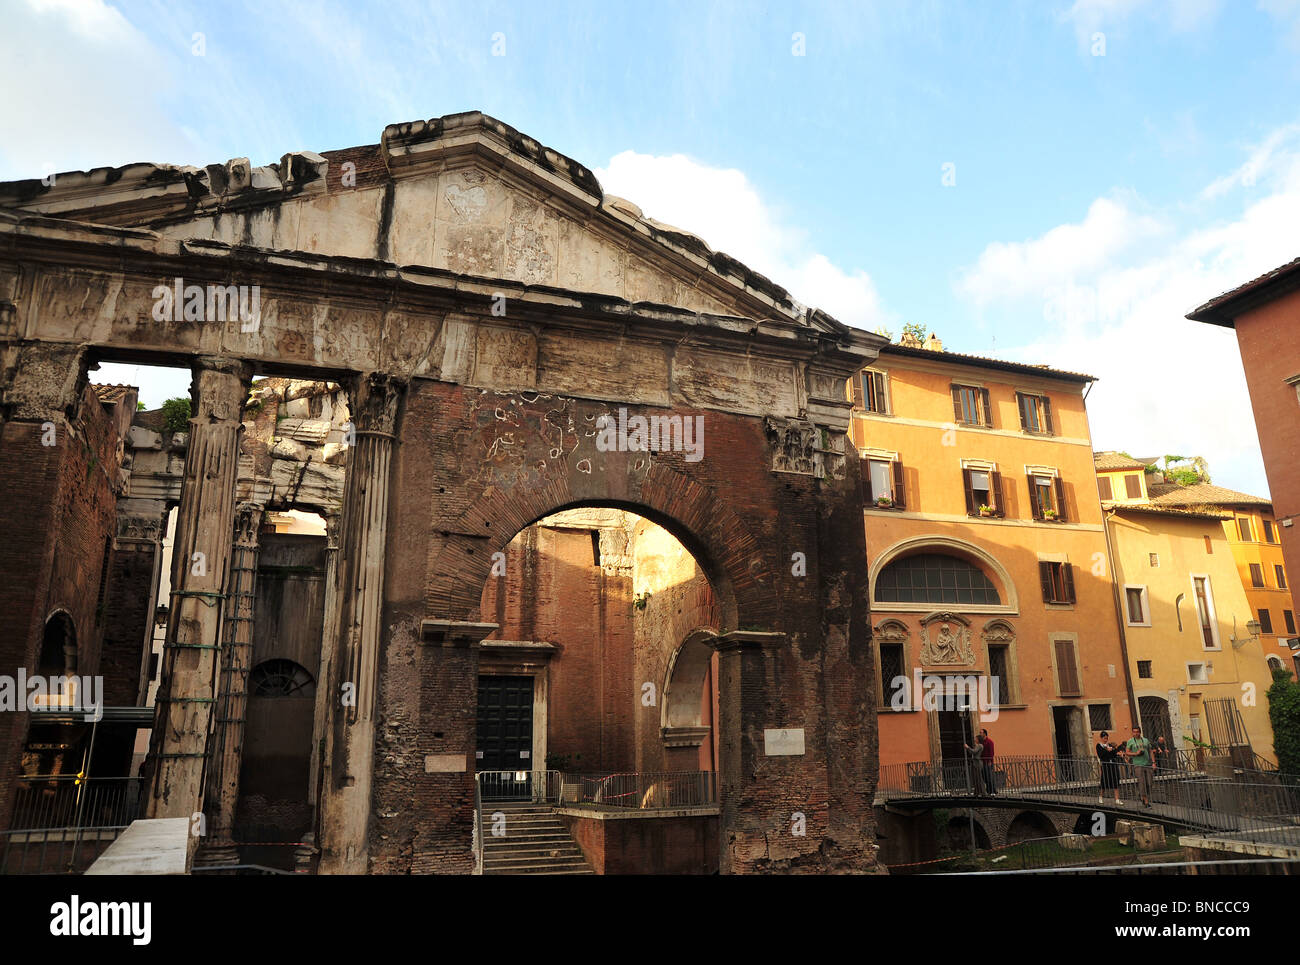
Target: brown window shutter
(1035, 507)
(899, 500)
(956, 405)
(1059, 485)
(865, 464)
(988, 411)
(1067, 571)
(972, 507)
(1103, 487)
(1047, 416)
(999, 500)
(882, 405)
(1066, 671)
(1020, 407)
(1045, 578)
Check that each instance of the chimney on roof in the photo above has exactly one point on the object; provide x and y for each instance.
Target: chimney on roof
(933, 344)
(908, 340)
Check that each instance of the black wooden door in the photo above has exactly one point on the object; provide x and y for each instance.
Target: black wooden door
(505, 724)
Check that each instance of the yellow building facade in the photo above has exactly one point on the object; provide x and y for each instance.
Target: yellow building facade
(986, 551)
(1199, 670)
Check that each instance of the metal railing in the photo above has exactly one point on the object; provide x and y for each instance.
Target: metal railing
(1256, 805)
(61, 823)
(642, 791)
(61, 801)
(536, 787)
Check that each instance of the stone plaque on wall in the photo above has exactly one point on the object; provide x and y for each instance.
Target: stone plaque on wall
(444, 763)
(783, 743)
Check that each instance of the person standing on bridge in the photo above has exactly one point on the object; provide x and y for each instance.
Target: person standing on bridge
(1108, 755)
(986, 760)
(976, 755)
(1137, 751)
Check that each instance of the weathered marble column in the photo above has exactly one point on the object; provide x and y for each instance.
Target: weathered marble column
(345, 805)
(227, 747)
(329, 639)
(200, 563)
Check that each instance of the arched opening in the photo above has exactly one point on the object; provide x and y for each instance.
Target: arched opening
(58, 646)
(603, 666)
(923, 572)
(939, 578)
(1030, 824)
(958, 835)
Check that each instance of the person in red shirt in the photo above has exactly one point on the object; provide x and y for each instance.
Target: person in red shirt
(986, 760)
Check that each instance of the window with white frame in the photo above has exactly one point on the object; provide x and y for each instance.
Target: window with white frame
(1137, 608)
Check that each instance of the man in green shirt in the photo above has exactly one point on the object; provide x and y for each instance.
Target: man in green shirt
(1137, 751)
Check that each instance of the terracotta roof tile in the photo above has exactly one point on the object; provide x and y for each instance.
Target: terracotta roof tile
(1219, 311)
(1115, 460)
(1202, 494)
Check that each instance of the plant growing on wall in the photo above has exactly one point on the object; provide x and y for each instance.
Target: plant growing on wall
(1284, 715)
(641, 599)
(176, 414)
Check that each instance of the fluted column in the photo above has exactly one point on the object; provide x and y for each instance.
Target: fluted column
(329, 639)
(227, 745)
(345, 805)
(200, 563)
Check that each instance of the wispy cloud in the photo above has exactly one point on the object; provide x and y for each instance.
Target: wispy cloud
(724, 208)
(1166, 384)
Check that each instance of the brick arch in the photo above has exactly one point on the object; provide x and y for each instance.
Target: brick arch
(725, 549)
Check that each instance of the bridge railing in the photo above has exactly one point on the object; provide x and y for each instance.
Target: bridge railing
(1259, 804)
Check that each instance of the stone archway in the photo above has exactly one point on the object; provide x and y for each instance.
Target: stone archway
(681, 720)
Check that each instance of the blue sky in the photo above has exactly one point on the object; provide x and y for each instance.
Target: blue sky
(1114, 162)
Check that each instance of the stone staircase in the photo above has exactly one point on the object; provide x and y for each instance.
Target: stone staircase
(536, 842)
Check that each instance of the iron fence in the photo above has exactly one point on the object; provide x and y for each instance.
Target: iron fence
(63, 801)
(644, 790)
(1258, 805)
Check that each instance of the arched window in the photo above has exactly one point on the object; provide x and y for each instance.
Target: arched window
(934, 578)
(58, 646)
(281, 678)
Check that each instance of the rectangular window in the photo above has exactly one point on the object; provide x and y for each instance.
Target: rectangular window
(970, 406)
(1196, 673)
(983, 492)
(1135, 597)
(1067, 673)
(1047, 497)
(892, 667)
(1265, 622)
(1256, 575)
(1243, 527)
(1000, 670)
(873, 392)
(1268, 531)
(1057, 581)
(1281, 576)
(1203, 604)
(884, 479)
(1133, 486)
(1104, 487)
(1154, 558)
(1099, 717)
(1289, 619)
(1144, 669)
(1035, 413)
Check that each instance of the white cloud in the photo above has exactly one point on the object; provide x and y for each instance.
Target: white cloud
(84, 87)
(1262, 162)
(721, 206)
(1011, 269)
(1166, 384)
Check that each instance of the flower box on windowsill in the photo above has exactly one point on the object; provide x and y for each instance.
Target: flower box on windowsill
(1050, 517)
(986, 512)
(884, 503)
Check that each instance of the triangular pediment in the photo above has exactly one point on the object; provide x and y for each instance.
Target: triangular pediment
(463, 193)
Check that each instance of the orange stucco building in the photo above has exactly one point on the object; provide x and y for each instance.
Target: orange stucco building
(987, 556)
